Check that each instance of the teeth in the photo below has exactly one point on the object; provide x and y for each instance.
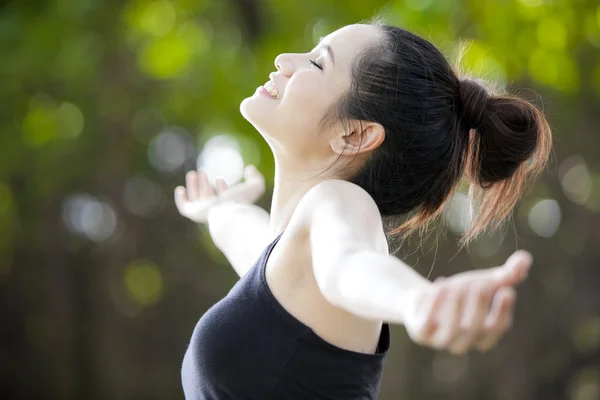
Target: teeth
(270, 86)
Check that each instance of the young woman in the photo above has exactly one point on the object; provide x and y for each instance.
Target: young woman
(309, 318)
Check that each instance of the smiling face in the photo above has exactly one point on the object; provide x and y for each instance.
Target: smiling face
(307, 84)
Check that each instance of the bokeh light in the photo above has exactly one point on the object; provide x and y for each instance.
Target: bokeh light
(544, 217)
(221, 156)
(168, 151)
(142, 196)
(46, 121)
(144, 282)
(457, 214)
(84, 214)
(575, 179)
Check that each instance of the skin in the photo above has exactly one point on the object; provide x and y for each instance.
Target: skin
(468, 310)
(290, 124)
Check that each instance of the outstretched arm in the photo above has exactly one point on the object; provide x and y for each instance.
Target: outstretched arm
(354, 271)
(470, 309)
(241, 231)
(238, 228)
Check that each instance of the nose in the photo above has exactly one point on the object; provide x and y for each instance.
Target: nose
(284, 64)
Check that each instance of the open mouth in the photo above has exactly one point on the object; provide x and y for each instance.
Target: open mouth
(271, 89)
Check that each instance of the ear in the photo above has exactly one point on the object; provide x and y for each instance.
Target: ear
(370, 133)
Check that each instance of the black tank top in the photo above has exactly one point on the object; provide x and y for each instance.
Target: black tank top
(248, 347)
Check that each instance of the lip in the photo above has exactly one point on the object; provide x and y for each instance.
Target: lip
(264, 92)
(272, 78)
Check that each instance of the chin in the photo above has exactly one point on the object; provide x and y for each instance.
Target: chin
(258, 112)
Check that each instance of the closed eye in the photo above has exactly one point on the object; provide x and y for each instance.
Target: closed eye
(316, 64)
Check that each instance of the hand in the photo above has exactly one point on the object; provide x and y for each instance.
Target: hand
(194, 201)
(470, 309)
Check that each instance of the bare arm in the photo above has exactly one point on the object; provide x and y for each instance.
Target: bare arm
(240, 231)
(354, 272)
(469, 309)
(374, 286)
(351, 261)
(238, 228)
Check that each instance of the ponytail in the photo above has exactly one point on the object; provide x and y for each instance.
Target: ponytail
(438, 129)
(509, 144)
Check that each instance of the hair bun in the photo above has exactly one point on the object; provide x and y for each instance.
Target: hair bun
(474, 99)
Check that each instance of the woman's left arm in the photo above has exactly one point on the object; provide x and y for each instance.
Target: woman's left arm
(470, 309)
(354, 271)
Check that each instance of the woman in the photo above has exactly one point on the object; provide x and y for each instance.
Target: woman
(309, 317)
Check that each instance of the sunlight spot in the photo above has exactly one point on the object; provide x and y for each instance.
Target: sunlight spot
(458, 213)
(544, 218)
(85, 215)
(165, 57)
(157, 18)
(551, 33)
(70, 120)
(144, 282)
(575, 179)
(487, 245)
(168, 151)
(221, 156)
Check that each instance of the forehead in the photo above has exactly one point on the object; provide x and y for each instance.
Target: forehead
(348, 39)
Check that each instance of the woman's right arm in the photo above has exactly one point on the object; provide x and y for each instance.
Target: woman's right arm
(240, 231)
(238, 228)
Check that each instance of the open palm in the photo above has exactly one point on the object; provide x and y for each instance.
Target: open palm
(194, 200)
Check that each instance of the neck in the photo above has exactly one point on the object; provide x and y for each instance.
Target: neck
(291, 183)
(294, 177)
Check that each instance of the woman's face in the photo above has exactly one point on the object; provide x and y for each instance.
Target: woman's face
(307, 83)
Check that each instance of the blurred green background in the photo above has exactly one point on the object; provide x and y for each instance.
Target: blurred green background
(105, 105)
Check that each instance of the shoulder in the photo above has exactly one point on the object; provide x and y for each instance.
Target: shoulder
(339, 193)
(339, 203)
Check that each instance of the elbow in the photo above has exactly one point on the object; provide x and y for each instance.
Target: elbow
(327, 279)
(335, 282)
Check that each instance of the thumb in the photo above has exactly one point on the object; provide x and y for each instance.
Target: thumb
(516, 268)
(249, 171)
(220, 185)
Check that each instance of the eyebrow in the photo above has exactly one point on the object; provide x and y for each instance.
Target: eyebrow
(328, 48)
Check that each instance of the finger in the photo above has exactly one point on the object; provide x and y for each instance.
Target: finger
(516, 267)
(191, 182)
(448, 318)
(206, 189)
(254, 178)
(180, 197)
(220, 185)
(499, 320)
(249, 190)
(250, 172)
(476, 307)
(483, 300)
(427, 310)
(463, 339)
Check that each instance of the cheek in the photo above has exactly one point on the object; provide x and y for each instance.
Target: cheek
(303, 86)
(306, 97)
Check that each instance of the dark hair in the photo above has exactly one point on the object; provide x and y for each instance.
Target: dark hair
(439, 128)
